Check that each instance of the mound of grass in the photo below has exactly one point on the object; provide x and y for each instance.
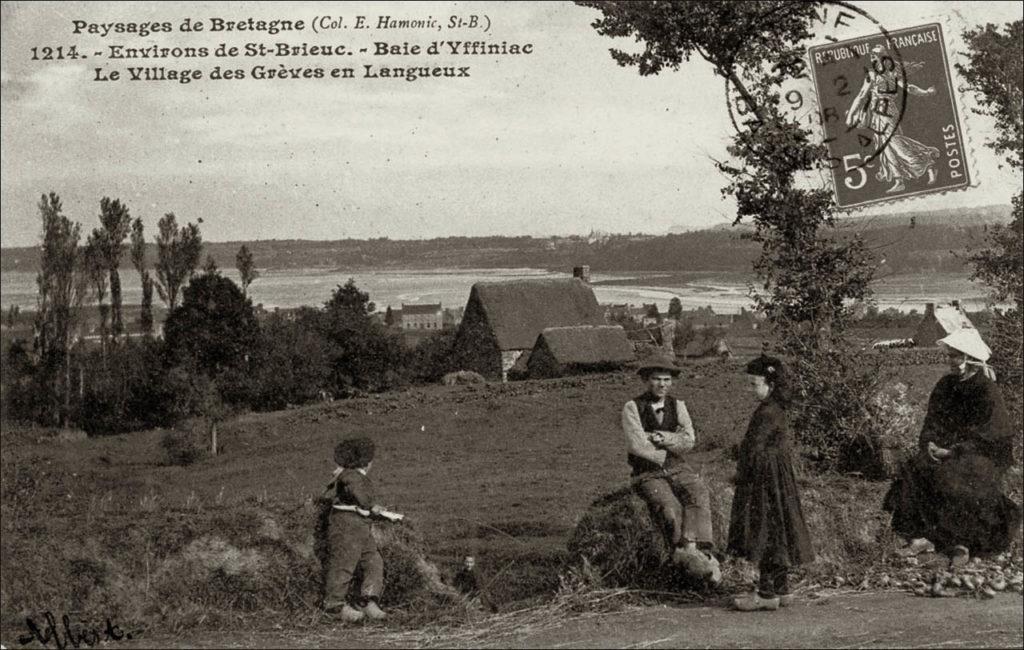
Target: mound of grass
(179, 568)
(617, 543)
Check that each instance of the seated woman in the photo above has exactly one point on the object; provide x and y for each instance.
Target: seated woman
(950, 494)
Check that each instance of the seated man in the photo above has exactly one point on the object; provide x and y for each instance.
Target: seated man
(658, 434)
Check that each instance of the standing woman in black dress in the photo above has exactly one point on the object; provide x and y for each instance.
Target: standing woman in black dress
(767, 523)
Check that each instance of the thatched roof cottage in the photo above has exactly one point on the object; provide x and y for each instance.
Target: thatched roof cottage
(502, 320)
(579, 348)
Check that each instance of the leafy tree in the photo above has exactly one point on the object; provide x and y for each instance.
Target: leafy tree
(115, 224)
(62, 289)
(214, 328)
(652, 312)
(350, 298)
(675, 308)
(809, 278)
(365, 355)
(995, 72)
(432, 357)
(138, 255)
(292, 365)
(246, 267)
(178, 252)
(95, 264)
(389, 317)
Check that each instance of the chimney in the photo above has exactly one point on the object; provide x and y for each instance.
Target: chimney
(955, 303)
(582, 272)
(929, 309)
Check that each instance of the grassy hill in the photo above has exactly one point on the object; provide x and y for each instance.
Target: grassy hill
(501, 472)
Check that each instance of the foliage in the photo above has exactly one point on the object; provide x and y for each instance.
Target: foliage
(138, 256)
(431, 358)
(246, 267)
(181, 448)
(96, 269)
(364, 354)
(115, 225)
(62, 288)
(348, 298)
(178, 252)
(996, 74)
(652, 312)
(675, 308)
(214, 328)
(810, 278)
(292, 362)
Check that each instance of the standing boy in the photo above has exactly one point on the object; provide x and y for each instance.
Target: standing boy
(350, 535)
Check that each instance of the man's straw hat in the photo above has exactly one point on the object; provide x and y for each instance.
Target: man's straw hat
(659, 361)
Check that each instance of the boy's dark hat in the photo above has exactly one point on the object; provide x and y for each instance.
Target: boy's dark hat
(658, 361)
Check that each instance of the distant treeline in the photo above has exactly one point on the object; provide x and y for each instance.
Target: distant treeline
(908, 243)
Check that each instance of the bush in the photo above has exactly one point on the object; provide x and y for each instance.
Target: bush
(291, 365)
(833, 389)
(463, 377)
(181, 447)
(432, 358)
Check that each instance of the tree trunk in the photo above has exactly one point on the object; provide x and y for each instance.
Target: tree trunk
(116, 321)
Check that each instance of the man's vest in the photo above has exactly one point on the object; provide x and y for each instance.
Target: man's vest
(649, 421)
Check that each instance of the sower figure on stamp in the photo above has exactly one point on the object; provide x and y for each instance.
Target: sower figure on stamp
(659, 433)
(875, 108)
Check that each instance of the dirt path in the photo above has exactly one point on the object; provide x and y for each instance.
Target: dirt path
(871, 620)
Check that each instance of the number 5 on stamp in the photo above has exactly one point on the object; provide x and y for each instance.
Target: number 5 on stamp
(889, 116)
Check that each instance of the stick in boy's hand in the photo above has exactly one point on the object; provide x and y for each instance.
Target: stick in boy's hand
(386, 514)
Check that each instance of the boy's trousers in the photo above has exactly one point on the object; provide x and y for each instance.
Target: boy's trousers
(352, 545)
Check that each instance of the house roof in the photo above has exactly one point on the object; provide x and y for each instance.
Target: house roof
(518, 310)
(951, 318)
(702, 346)
(587, 344)
(409, 310)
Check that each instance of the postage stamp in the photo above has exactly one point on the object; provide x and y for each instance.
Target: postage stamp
(889, 115)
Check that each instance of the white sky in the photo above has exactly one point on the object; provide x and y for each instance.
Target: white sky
(561, 141)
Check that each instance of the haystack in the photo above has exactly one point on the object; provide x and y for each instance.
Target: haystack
(617, 543)
(408, 575)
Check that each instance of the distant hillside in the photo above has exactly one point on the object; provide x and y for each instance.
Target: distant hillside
(908, 243)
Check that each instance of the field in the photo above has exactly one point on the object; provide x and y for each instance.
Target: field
(501, 472)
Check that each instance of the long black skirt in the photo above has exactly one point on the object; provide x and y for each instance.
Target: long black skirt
(956, 501)
(767, 520)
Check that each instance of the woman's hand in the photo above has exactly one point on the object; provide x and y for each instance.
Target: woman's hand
(938, 453)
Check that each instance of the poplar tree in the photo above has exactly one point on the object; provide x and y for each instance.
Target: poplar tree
(116, 224)
(178, 253)
(138, 255)
(246, 268)
(61, 292)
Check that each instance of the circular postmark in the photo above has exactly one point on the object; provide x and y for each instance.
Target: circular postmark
(874, 99)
